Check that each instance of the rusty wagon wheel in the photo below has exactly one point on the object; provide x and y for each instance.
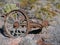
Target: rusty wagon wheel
(16, 23)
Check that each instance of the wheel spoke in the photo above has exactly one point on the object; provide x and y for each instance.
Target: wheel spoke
(9, 26)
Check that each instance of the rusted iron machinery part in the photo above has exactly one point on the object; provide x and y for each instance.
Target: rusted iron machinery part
(29, 24)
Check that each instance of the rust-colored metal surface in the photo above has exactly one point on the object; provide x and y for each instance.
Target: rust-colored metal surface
(28, 24)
